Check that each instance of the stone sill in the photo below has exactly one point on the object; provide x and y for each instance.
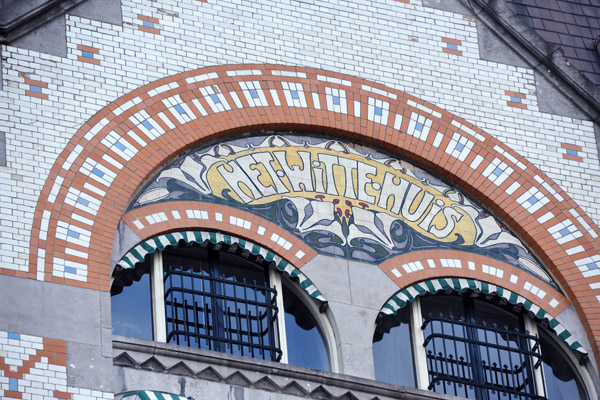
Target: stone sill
(256, 374)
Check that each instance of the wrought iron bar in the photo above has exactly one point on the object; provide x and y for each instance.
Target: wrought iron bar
(485, 371)
(229, 302)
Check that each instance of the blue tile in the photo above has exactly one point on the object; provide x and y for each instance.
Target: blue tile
(97, 172)
(179, 109)
(459, 146)
(215, 98)
(295, 95)
(515, 99)
(532, 200)
(87, 54)
(592, 266)
(497, 171)
(147, 125)
(336, 100)
(13, 384)
(83, 201)
(419, 126)
(73, 234)
(452, 46)
(120, 146)
(15, 336)
(253, 94)
(148, 24)
(70, 270)
(564, 231)
(572, 152)
(378, 111)
(36, 89)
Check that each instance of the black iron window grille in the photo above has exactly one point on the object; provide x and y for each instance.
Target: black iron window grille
(220, 297)
(475, 346)
(481, 361)
(210, 312)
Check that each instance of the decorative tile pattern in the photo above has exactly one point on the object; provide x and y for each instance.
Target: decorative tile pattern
(35, 88)
(515, 99)
(572, 152)
(35, 367)
(148, 24)
(154, 219)
(452, 46)
(88, 54)
(407, 268)
(153, 126)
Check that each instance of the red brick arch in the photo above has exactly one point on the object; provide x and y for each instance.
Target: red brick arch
(418, 266)
(71, 238)
(159, 218)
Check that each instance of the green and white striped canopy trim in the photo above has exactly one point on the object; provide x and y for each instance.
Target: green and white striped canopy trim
(433, 286)
(153, 395)
(159, 243)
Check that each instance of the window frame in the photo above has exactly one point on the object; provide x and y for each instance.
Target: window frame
(275, 279)
(419, 355)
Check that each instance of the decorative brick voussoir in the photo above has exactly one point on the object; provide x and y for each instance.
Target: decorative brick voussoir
(124, 144)
(156, 219)
(410, 268)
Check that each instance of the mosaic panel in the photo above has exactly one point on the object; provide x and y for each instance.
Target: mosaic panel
(341, 199)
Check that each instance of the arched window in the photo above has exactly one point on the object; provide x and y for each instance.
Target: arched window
(465, 346)
(220, 298)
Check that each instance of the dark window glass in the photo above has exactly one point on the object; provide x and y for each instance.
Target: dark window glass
(130, 303)
(306, 346)
(392, 350)
(561, 381)
(478, 350)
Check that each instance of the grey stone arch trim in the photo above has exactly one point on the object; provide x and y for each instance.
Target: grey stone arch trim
(434, 286)
(138, 253)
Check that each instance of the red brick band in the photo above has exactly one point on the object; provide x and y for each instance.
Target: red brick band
(149, 221)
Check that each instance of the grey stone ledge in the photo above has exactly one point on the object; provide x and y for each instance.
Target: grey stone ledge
(255, 373)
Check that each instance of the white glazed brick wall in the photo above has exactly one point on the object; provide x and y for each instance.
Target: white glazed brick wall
(390, 42)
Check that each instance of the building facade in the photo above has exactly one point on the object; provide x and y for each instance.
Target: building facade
(221, 199)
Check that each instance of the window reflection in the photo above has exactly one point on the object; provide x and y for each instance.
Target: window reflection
(392, 350)
(131, 314)
(561, 381)
(305, 343)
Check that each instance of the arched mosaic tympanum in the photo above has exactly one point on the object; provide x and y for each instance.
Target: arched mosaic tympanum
(94, 179)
